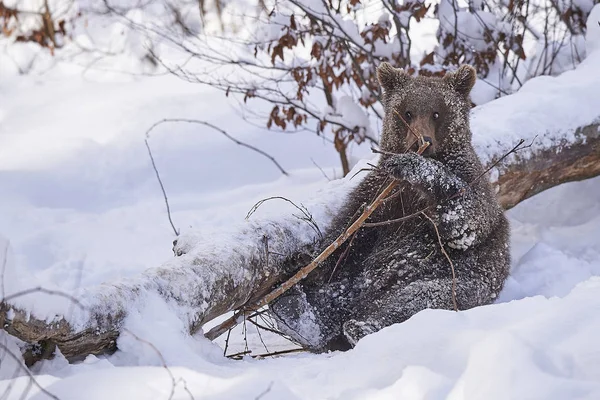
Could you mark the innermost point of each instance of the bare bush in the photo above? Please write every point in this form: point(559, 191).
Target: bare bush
point(313, 62)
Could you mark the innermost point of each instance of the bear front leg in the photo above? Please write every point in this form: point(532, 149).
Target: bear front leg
point(465, 214)
point(398, 306)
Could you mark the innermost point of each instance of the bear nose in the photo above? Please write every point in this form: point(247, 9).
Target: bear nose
point(428, 140)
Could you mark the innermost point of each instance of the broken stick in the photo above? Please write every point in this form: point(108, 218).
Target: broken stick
point(238, 316)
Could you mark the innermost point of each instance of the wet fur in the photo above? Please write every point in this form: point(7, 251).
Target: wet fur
point(391, 272)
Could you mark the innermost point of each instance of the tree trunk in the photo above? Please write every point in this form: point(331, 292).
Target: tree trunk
point(522, 177)
point(216, 279)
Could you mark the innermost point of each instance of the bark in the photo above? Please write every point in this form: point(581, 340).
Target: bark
point(523, 176)
point(215, 281)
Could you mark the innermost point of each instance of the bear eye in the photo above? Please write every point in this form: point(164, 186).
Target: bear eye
point(408, 116)
point(436, 115)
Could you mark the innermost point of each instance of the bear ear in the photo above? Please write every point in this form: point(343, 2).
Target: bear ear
point(390, 77)
point(462, 80)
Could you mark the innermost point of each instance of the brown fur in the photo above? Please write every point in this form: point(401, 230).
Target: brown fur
point(396, 270)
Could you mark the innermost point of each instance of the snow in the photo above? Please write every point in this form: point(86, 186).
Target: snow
point(81, 206)
point(544, 104)
point(592, 38)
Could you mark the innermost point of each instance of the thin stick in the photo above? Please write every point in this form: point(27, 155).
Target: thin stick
point(264, 355)
point(226, 343)
point(343, 256)
point(162, 187)
point(40, 289)
point(163, 364)
point(320, 169)
point(280, 352)
point(417, 135)
point(303, 273)
point(437, 232)
point(222, 131)
point(240, 354)
point(27, 371)
point(264, 392)
point(515, 149)
point(308, 218)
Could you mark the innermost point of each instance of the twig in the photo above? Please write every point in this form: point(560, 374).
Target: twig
point(437, 232)
point(264, 393)
point(245, 332)
point(227, 135)
point(377, 151)
point(361, 170)
point(513, 150)
point(303, 273)
point(42, 290)
point(266, 328)
point(240, 354)
point(343, 256)
point(163, 362)
point(162, 187)
point(260, 335)
point(459, 193)
point(395, 220)
point(226, 343)
point(27, 371)
point(279, 353)
point(308, 218)
point(208, 124)
point(320, 169)
point(417, 135)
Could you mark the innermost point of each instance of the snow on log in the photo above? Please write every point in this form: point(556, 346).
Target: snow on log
point(212, 274)
point(524, 177)
point(215, 274)
point(558, 116)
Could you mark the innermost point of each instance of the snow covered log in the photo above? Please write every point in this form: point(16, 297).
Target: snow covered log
point(209, 277)
point(523, 177)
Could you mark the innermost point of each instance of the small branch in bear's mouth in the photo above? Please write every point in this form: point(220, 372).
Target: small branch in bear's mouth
point(418, 136)
point(515, 149)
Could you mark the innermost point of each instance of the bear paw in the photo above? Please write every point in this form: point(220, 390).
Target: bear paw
point(410, 167)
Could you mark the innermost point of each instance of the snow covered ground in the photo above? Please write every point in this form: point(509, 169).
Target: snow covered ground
point(80, 205)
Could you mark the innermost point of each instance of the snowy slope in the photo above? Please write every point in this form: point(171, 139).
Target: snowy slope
point(81, 206)
point(541, 347)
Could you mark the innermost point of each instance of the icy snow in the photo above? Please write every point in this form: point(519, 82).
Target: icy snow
point(81, 206)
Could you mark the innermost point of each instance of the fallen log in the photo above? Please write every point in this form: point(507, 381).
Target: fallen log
point(526, 175)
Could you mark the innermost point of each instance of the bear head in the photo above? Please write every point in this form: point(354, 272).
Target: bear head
point(436, 108)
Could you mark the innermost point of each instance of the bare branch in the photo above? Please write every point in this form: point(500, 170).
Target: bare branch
point(17, 359)
point(162, 187)
point(227, 135)
point(439, 238)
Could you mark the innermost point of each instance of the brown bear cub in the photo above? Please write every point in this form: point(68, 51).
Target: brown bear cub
point(395, 269)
